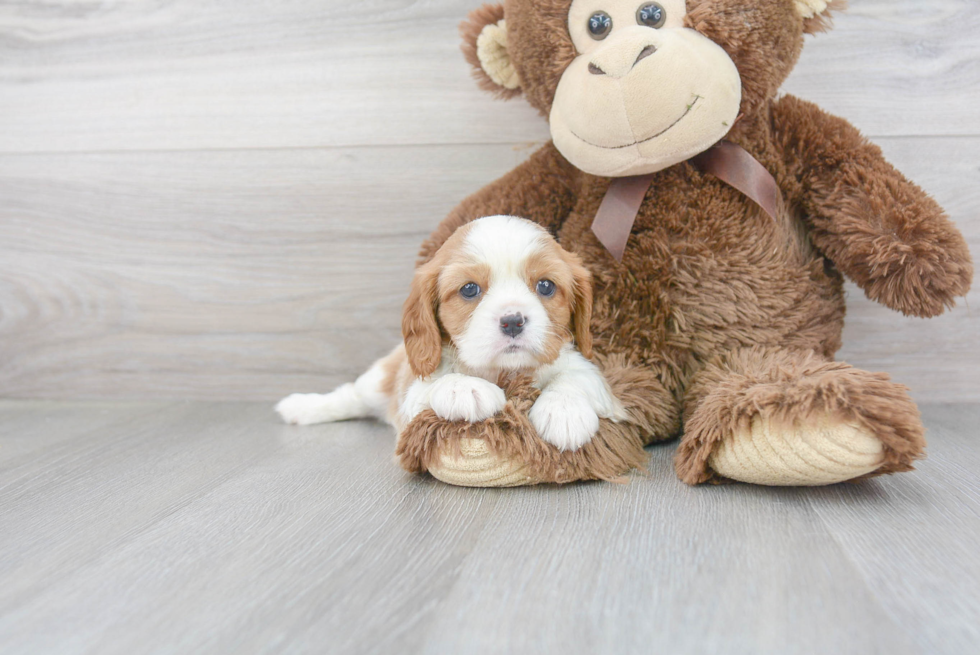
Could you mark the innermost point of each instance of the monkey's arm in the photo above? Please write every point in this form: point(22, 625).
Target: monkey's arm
point(878, 228)
point(542, 189)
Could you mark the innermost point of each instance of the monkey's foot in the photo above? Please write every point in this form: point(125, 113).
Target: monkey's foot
point(782, 418)
point(476, 466)
point(506, 451)
point(808, 453)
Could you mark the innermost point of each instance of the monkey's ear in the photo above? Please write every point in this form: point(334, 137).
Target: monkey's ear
point(816, 14)
point(484, 35)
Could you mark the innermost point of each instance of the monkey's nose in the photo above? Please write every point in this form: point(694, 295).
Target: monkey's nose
point(646, 52)
point(512, 324)
point(618, 60)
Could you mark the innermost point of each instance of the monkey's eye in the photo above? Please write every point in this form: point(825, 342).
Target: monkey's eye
point(600, 25)
point(546, 288)
point(651, 14)
point(470, 290)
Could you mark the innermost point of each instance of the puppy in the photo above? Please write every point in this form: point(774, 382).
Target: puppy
point(500, 296)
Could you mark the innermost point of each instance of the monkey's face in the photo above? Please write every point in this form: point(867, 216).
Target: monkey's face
point(644, 92)
point(632, 86)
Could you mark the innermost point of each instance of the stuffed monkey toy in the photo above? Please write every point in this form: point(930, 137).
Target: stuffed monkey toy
point(718, 220)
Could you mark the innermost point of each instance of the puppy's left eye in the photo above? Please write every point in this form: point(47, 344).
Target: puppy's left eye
point(546, 288)
point(470, 290)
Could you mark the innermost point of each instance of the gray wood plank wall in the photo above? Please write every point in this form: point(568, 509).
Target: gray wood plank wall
point(223, 200)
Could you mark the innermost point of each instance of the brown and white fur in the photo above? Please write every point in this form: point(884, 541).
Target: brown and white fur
point(456, 348)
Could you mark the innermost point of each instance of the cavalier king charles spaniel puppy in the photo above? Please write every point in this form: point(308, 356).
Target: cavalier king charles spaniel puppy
point(500, 296)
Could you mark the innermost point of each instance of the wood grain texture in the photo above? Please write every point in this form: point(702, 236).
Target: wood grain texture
point(250, 274)
point(195, 527)
point(931, 520)
point(301, 73)
point(203, 273)
point(22, 433)
point(223, 200)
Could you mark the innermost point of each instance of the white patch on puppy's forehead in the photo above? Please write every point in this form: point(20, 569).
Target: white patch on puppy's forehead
point(504, 242)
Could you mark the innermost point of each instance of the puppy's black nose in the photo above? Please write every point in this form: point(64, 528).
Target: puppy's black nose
point(512, 324)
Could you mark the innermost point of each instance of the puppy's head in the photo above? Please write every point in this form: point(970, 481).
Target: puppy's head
point(504, 293)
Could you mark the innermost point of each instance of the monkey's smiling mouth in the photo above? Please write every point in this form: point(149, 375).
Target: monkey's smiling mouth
point(649, 138)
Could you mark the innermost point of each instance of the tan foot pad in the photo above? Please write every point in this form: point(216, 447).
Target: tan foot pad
point(815, 452)
point(478, 467)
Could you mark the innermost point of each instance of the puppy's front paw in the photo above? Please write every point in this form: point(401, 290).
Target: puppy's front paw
point(565, 421)
point(458, 397)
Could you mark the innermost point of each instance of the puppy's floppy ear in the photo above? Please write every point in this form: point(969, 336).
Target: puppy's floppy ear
point(816, 14)
point(484, 35)
point(420, 328)
point(581, 305)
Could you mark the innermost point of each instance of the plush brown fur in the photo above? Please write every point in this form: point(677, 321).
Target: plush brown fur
point(716, 307)
point(793, 386)
point(825, 21)
point(617, 449)
point(879, 229)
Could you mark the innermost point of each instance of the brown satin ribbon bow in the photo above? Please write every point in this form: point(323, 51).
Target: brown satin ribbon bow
point(730, 163)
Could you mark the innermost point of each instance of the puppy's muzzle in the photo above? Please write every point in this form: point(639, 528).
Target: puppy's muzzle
point(512, 324)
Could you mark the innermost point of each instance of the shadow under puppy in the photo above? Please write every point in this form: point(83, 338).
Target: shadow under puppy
point(500, 299)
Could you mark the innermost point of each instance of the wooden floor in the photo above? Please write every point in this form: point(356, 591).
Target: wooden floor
point(193, 527)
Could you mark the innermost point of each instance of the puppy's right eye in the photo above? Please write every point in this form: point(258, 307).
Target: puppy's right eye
point(470, 290)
